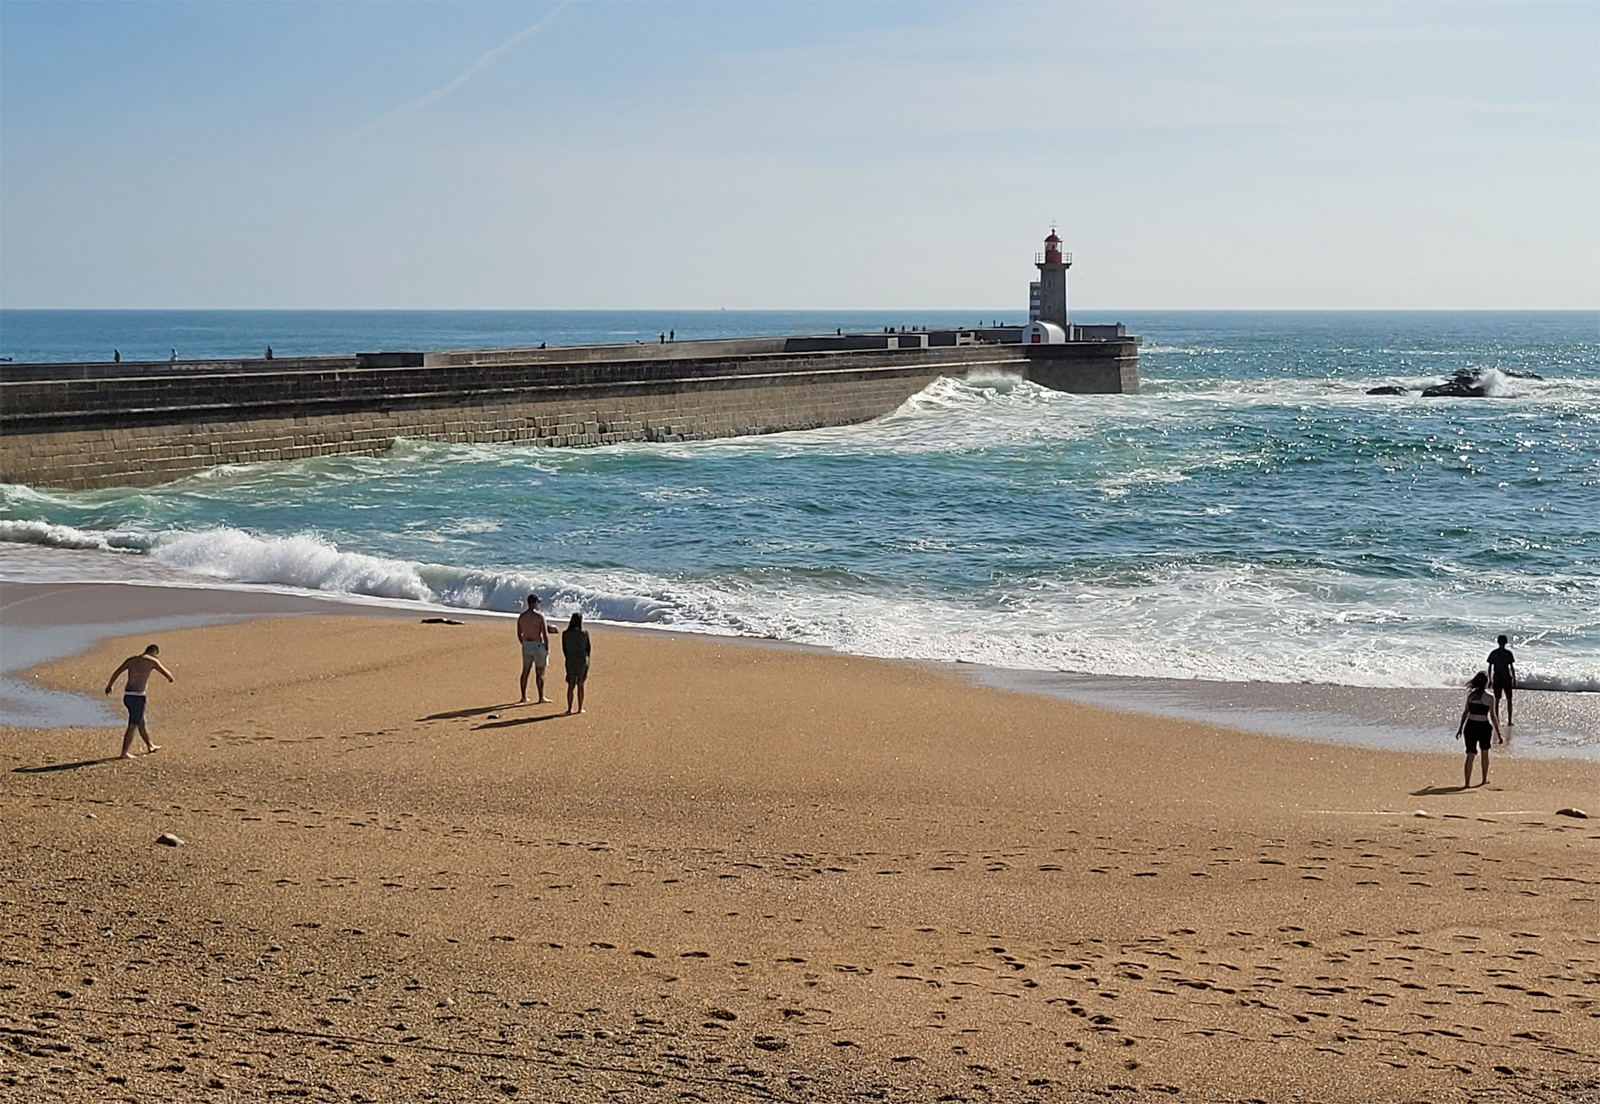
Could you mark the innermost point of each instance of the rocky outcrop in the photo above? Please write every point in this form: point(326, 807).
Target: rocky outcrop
point(1468, 383)
point(1465, 384)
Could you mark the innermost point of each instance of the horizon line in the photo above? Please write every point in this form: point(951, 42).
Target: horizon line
point(807, 310)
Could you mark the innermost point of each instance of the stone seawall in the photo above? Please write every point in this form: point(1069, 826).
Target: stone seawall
point(134, 425)
point(141, 430)
point(1086, 367)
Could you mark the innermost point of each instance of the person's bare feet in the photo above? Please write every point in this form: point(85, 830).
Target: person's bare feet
point(126, 755)
point(151, 749)
point(543, 701)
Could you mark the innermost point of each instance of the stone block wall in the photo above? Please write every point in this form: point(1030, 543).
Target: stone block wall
point(157, 446)
point(87, 430)
point(1107, 367)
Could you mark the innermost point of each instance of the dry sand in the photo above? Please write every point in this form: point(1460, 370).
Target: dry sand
point(752, 873)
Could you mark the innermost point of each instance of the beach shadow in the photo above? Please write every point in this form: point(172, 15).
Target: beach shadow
point(474, 712)
point(521, 721)
point(1429, 791)
point(65, 766)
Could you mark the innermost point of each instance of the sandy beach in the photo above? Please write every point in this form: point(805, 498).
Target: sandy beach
point(756, 873)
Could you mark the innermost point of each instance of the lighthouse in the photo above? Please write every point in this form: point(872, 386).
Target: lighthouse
point(1051, 289)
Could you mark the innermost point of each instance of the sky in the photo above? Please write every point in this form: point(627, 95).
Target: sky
point(798, 156)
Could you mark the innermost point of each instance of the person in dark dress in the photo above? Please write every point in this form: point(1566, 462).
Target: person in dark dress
point(1503, 677)
point(1479, 720)
point(575, 650)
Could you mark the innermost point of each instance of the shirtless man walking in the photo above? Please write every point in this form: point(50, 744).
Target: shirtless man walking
point(139, 669)
point(534, 636)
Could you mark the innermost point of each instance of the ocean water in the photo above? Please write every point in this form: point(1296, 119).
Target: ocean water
point(57, 336)
point(1252, 515)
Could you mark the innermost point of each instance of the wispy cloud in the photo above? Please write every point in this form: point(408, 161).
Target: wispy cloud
point(413, 106)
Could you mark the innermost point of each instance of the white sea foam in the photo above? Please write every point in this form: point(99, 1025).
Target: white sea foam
point(304, 560)
point(1120, 484)
point(1569, 685)
point(311, 562)
point(52, 535)
point(1240, 622)
point(1352, 388)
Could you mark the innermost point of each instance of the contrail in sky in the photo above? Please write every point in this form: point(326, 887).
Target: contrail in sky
point(471, 71)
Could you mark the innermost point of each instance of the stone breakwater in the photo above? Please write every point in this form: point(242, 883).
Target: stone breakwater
point(96, 425)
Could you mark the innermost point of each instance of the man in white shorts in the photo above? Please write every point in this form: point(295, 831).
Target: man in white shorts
point(535, 639)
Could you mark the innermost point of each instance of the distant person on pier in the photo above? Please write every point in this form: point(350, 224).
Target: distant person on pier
point(139, 669)
point(1503, 675)
point(575, 651)
point(116, 356)
point(1479, 719)
point(269, 352)
point(663, 339)
point(534, 637)
point(174, 356)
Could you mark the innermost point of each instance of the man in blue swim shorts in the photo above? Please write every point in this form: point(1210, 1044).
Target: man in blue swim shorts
point(534, 636)
point(139, 669)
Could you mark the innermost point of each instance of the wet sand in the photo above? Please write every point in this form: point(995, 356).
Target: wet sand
point(1559, 723)
point(759, 873)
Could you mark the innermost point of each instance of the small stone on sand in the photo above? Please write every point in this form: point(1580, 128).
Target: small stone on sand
point(167, 839)
point(1569, 811)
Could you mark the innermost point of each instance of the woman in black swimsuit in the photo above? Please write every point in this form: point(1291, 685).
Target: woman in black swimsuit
point(1479, 719)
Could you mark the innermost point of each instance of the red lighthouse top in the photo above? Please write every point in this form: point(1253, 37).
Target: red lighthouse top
point(1052, 249)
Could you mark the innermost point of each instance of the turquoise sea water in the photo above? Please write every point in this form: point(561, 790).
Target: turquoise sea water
point(1252, 514)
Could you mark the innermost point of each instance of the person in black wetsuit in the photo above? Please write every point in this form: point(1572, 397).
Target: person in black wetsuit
point(1479, 719)
point(1503, 677)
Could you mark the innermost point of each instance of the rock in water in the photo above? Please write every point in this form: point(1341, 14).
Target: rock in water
point(1571, 812)
point(1387, 389)
point(1465, 384)
point(167, 839)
